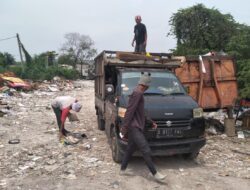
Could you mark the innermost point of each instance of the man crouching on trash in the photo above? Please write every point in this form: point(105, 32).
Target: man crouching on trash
point(133, 126)
point(62, 106)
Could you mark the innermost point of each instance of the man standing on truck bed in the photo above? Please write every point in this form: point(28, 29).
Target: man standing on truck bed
point(140, 37)
point(134, 122)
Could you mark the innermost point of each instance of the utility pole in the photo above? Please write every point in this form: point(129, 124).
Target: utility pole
point(20, 49)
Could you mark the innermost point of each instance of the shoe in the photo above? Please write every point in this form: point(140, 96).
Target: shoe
point(126, 172)
point(159, 177)
point(64, 140)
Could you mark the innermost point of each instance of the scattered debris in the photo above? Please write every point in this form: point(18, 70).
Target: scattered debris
point(211, 130)
point(53, 89)
point(91, 160)
point(28, 116)
point(70, 140)
point(3, 183)
point(115, 184)
point(181, 169)
point(70, 176)
point(51, 162)
point(78, 135)
point(87, 146)
point(238, 151)
point(214, 123)
point(241, 135)
point(14, 141)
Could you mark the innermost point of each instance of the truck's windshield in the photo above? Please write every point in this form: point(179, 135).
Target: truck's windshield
point(163, 83)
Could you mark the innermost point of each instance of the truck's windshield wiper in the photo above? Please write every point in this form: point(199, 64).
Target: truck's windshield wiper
point(154, 93)
point(177, 93)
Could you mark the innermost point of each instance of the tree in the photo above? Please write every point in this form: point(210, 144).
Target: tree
point(65, 60)
point(239, 44)
point(199, 30)
point(6, 59)
point(78, 48)
point(2, 62)
point(244, 77)
point(239, 47)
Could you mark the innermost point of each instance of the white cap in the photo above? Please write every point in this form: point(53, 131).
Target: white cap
point(145, 79)
point(76, 106)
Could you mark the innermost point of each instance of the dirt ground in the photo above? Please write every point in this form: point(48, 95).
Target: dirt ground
point(39, 161)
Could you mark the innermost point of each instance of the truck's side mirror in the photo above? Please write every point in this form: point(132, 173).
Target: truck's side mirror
point(109, 89)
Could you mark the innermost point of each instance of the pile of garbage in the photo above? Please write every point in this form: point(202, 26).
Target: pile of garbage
point(12, 86)
point(8, 81)
point(215, 124)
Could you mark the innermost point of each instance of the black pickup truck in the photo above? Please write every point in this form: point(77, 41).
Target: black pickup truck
point(179, 118)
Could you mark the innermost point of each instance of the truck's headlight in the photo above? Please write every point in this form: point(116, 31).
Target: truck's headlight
point(197, 112)
point(121, 112)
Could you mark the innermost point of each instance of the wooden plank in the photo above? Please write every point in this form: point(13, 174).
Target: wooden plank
point(127, 56)
point(134, 58)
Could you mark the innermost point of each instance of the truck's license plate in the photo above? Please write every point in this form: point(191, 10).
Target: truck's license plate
point(161, 133)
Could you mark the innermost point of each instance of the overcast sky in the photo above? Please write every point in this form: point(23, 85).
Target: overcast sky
point(42, 24)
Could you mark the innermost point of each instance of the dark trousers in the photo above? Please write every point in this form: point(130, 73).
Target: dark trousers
point(136, 139)
point(140, 48)
point(58, 114)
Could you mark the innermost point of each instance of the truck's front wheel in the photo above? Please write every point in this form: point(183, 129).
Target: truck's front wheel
point(116, 152)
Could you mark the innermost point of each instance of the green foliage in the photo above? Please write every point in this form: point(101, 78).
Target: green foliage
point(68, 73)
point(65, 60)
point(37, 69)
point(199, 30)
point(38, 73)
point(6, 59)
point(2, 69)
point(239, 47)
point(244, 77)
point(17, 69)
point(2, 62)
point(239, 44)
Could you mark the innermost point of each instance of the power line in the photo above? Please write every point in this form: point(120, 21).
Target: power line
point(7, 38)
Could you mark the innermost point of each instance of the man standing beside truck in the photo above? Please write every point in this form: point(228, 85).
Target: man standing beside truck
point(140, 37)
point(133, 125)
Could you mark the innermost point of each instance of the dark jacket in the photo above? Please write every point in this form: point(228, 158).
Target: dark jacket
point(134, 116)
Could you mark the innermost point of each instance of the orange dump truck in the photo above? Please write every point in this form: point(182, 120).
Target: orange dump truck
point(210, 80)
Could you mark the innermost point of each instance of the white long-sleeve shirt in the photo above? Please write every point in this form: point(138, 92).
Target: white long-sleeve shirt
point(63, 102)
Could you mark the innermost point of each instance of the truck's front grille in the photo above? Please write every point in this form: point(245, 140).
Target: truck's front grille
point(173, 123)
